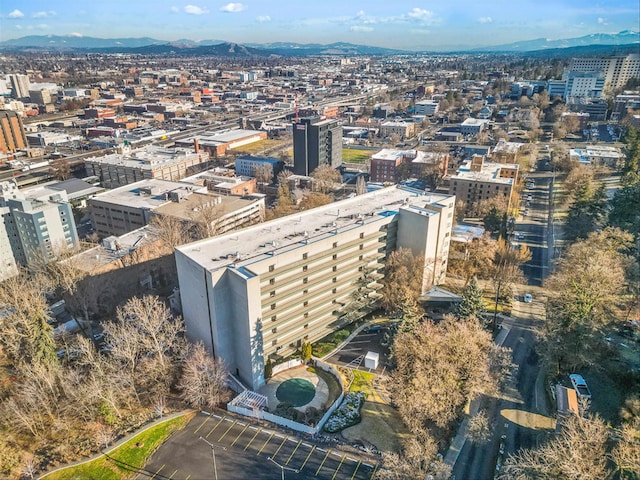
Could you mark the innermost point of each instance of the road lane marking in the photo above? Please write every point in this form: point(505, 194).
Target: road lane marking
point(374, 472)
point(275, 454)
point(171, 476)
point(294, 451)
point(323, 460)
point(265, 443)
point(157, 472)
point(356, 470)
point(205, 421)
point(239, 435)
point(227, 431)
point(308, 456)
point(216, 426)
point(339, 466)
point(254, 437)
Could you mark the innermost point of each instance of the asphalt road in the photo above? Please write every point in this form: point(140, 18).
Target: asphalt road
point(518, 417)
point(242, 450)
point(515, 414)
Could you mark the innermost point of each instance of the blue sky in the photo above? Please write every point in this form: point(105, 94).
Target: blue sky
point(391, 23)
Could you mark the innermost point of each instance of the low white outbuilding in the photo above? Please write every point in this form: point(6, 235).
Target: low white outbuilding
point(371, 360)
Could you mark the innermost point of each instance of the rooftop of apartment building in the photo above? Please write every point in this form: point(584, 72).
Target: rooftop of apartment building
point(490, 172)
point(241, 248)
point(506, 147)
point(148, 194)
point(146, 158)
point(416, 156)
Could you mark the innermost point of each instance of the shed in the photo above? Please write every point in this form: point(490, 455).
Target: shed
point(371, 360)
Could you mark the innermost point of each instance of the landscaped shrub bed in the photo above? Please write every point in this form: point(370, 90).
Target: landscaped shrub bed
point(347, 414)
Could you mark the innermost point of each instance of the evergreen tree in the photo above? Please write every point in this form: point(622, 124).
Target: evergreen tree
point(472, 304)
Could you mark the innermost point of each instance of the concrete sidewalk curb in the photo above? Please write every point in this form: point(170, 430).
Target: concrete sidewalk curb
point(121, 441)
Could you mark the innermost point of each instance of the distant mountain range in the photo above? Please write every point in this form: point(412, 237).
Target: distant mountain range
point(146, 45)
point(624, 37)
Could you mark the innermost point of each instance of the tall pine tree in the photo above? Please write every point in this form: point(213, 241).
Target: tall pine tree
point(472, 304)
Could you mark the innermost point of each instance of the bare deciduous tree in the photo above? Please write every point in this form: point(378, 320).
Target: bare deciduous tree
point(171, 231)
point(263, 172)
point(325, 177)
point(579, 451)
point(403, 279)
point(203, 381)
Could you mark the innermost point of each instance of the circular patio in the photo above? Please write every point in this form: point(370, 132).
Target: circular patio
point(298, 387)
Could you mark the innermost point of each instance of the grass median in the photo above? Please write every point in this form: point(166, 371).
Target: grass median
point(126, 460)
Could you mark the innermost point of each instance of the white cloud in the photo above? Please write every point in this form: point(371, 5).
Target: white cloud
point(174, 10)
point(233, 8)
point(420, 13)
point(263, 18)
point(195, 10)
point(485, 20)
point(76, 34)
point(361, 28)
point(16, 14)
point(602, 21)
point(44, 14)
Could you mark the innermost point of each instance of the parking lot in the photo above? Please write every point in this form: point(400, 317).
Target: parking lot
point(243, 449)
point(369, 340)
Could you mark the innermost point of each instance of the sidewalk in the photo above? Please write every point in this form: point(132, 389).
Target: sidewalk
point(120, 441)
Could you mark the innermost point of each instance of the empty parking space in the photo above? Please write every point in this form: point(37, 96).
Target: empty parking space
point(242, 450)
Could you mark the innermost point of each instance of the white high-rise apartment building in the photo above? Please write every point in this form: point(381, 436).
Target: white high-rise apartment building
point(259, 293)
point(617, 70)
point(19, 85)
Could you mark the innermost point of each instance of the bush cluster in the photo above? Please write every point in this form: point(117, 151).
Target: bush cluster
point(347, 414)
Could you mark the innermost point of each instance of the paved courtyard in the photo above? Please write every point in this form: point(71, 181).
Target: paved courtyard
point(322, 390)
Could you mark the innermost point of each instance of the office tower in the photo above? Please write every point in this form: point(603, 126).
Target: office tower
point(316, 142)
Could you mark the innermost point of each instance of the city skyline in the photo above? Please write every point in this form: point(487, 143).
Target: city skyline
point(410, 25)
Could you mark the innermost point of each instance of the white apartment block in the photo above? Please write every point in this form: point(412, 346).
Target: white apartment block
point(426, 107)
point(152, 162)
point(259, 293)
point(617, 70)
point(35, 224)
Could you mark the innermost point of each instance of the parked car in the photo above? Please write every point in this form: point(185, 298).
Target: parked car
point(580, 385)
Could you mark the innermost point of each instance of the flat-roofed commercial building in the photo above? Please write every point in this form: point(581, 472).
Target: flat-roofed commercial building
point(259, 293)
point(218, 143)
point(121, 210)
point(478, 180)
point(150, 162)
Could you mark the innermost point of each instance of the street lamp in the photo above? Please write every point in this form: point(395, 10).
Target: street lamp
point(213, 454)
point(283, 468)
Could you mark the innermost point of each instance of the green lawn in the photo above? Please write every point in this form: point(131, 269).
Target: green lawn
point(352, 155)
point(362, 382)
point(125, 460)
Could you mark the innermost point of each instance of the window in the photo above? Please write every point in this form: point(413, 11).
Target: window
point(334, 279)
point(305, 280)
point(274, 330)
point(335, 257)
point(305, 255)
point(305, 268)
point(306, 325)
point(362, 235)
point(272, 281)
point(335, 244)
point(306, 315)
point(273, 318)
point(304, 292)
point(334, 291)
point(361, 247)
point(272, 268)
point(273, 306)
point(272, 294)
point(274, 342)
